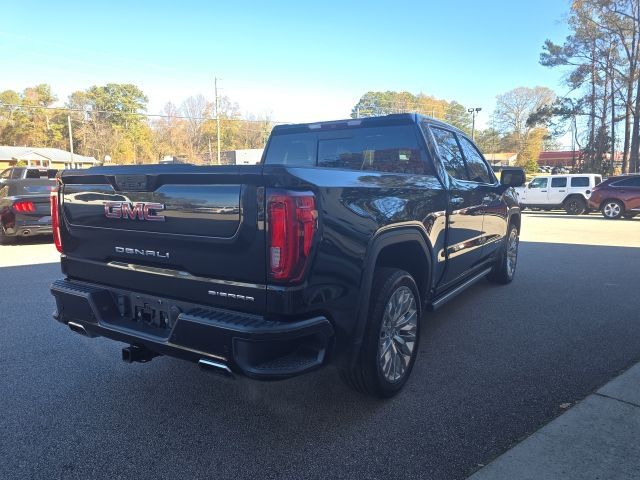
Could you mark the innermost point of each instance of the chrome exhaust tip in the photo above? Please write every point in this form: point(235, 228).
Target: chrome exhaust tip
point(76, 327)
point(216, 367)
point(26, 232)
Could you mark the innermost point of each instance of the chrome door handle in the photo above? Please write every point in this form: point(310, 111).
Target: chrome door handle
point(543, 190)
point(456, 200)
point(488, 198)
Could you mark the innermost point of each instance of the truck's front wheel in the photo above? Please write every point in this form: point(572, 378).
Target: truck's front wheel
point(505, 267)
point(389, 349)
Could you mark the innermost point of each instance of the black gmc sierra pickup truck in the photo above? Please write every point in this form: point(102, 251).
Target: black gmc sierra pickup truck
point(328, 251)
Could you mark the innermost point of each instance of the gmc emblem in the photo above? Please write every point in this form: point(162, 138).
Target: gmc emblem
point(134, 211)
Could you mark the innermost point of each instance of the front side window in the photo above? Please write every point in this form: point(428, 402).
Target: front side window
point(478, 169)
point(450, 153)
point(17, 173)
point(580, 181)
point(559, 182)
point(6, 173)
point(539, 182)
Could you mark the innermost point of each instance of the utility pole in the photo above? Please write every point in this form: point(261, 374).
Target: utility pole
point(70, 138)
point(215, 86)
point(473, 111)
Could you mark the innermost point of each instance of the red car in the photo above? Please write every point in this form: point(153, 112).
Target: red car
point(617, 197)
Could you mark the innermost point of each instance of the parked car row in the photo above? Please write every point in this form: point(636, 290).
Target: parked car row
point(552, 170)
point(24, 202)
point(616, 197)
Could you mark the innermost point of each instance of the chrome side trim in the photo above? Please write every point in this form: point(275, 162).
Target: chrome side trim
point(438, 302)
point(168, 272)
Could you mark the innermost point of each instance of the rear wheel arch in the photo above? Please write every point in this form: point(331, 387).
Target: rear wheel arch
point(382, 250)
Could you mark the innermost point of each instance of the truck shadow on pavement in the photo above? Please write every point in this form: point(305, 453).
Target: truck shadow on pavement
point(495, 364)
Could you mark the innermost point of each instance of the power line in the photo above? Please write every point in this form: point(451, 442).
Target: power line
point(138, 114)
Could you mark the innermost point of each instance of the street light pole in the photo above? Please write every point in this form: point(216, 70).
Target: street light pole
point(473, 111)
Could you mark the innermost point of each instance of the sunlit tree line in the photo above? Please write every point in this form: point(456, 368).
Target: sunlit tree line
point(112, 120)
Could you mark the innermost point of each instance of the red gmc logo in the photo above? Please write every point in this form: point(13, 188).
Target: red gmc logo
point(134, 211)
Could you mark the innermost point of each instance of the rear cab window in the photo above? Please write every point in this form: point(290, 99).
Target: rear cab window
point(560, 182)
point(394, 149)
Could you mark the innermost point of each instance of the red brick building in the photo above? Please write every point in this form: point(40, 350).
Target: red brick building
point(559, 158)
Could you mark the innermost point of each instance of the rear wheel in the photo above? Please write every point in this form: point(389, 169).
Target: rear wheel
point(505, 267)
point(612, 209)
point(390, 345)
point(575, 206)
point(6, 239)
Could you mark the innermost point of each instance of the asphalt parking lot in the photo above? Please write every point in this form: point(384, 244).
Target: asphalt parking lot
point(495, 365)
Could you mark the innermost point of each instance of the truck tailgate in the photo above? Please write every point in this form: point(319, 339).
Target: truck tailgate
point(192, 233)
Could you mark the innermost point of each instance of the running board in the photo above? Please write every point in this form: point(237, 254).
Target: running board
point(444, 298)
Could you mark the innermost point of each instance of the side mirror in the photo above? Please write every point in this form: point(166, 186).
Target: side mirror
point(512, 177)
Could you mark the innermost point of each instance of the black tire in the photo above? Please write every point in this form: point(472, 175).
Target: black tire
point(612, 209)
point(367, 375)
point(503, 270)
point(574, 205)
point(7, 239)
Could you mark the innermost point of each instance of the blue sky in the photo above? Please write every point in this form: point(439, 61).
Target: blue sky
point(293, 60)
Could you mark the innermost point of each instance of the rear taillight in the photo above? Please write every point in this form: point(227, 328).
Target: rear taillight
point(55, 220)
point(24, 206)
point(292, 218)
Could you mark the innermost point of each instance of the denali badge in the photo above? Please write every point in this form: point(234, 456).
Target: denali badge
point(144, 253)
point(134, 211)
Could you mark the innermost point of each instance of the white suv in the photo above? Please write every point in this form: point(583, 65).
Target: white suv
point(568, 192)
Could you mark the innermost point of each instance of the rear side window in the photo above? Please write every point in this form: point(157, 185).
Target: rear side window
point(450, 153)
point(478, 169)
point(35, 174)
point(384, 149)
point(559, 182)
point(580, 181)
point(6, 173)
point(628, 182)
point(17, 173)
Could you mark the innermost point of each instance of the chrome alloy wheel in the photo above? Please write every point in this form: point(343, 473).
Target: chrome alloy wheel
point(398, 334)
point(512, 252)
point(611, 210)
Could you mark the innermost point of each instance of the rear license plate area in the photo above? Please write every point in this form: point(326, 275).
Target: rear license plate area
point(152, 315)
